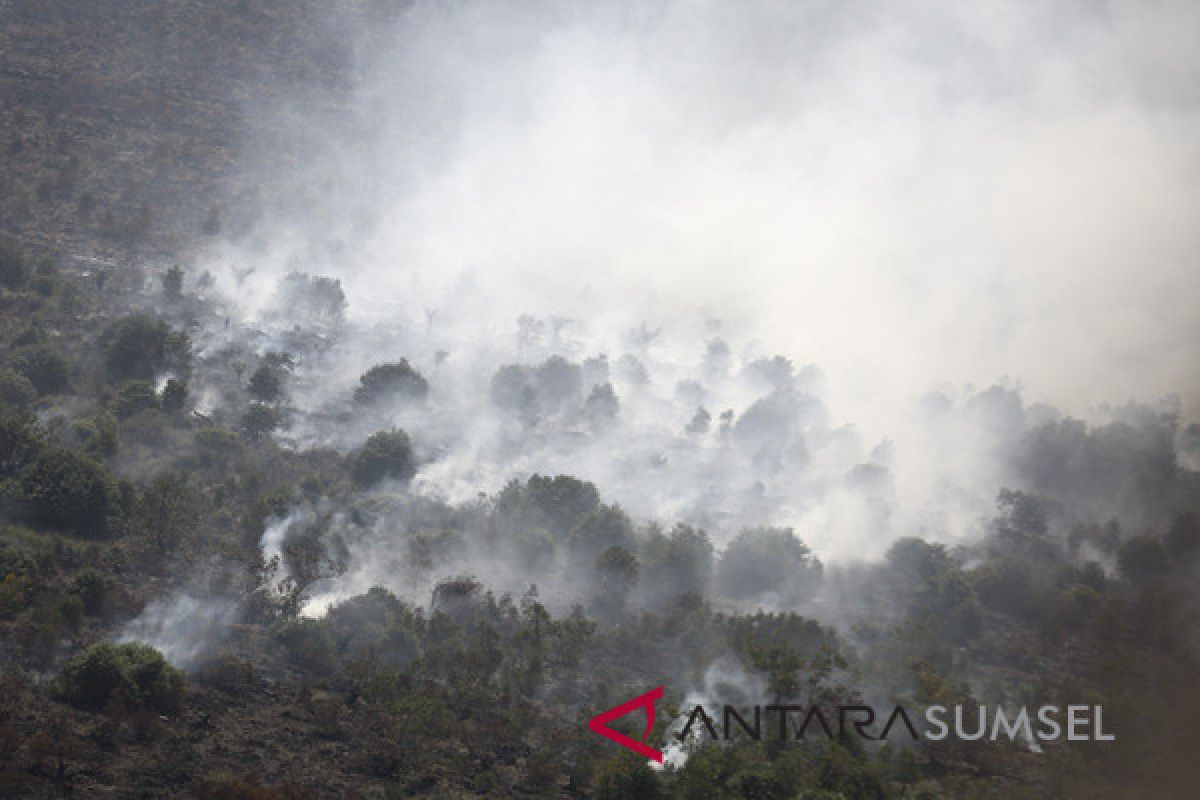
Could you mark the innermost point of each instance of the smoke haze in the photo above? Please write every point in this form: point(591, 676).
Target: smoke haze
point(911, 207)
point(899, 195)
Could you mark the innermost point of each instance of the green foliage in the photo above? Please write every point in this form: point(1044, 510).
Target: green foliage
point(259, 421)
point(376, 625)
point(166, 512)
point(18, 574)
point(16, 390)
point(390, 382)
point(385, 455)
point(45, 367)
point(216, 445)
point(625, 778)
point(268, 380)
point(266, 384)
point(67, 490)
point(225, 671)
point(308, 644)
point(94, 590)
point(559, 383)
point(675, 565)
point(97, 435)
point(762, 560)
point(313, 296)
point(511, 388)
point(600, 408)
point(172, 282)
point(597, 531)
point(135, 397)
point(14, 264)
point(21, 440)
point(556, 504)
point(132, 671)
point(1143, 558)
point(174, 396)
point(139, 346)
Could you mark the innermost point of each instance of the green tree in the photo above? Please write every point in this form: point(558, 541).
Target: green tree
point(16, 390)
point(259, 421)
point(14, 265)
point(761, 560)
point(625, 778)
point(166, 512)
point(133, 397)
point(174, 396)
point(140, 346)
point(45, 367)
point(66, 490)
point(601, 405)
point(132, 671)
point(607, 526)
point(386, 454)
point(21, 440)
point(266, 384)
point(396, 381)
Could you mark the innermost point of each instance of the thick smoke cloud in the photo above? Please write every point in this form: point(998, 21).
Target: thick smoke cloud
point(918, 203)
point(901, 195)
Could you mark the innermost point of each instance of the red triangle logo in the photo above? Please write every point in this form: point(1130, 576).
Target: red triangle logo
point(599, 724)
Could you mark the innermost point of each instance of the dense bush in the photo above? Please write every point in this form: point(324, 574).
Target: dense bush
point(607, 526)
point(135, 396)
point(308, 644)
point(15, 389)
point(97, 435)
point(94, 590)
point(67, 490)
point(267, 382)
point(259, 421)
point(174, 395)
point(14, 265)
point(767, 560)
point(398, 381)
point(132, 671)
point(139, 346)
point(44, 367)
point(385, 455)
point(21, 440)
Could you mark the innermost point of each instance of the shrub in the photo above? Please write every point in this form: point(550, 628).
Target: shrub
point(44, 367)
point(607, 526)
point(217, 445)
point(68, 491)
point(21, 440)
point(386, 454)
point(226, 672)
point(314, 296)
point(266, 384)
point(174, 396)
point(391, 382)
point(766, 560)
point(16, 390)
point(94, 590)
point(139, 346)
point(308, 644)
point(172, 282)
point(259, 420)
point(14, 265)
point(96, 436)
point(133, 671)
point(135, 396)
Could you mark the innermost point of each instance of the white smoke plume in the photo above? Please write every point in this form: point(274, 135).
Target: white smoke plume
point(911, 204)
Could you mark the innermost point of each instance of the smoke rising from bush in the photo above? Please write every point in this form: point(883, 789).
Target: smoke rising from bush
point(910, 206)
